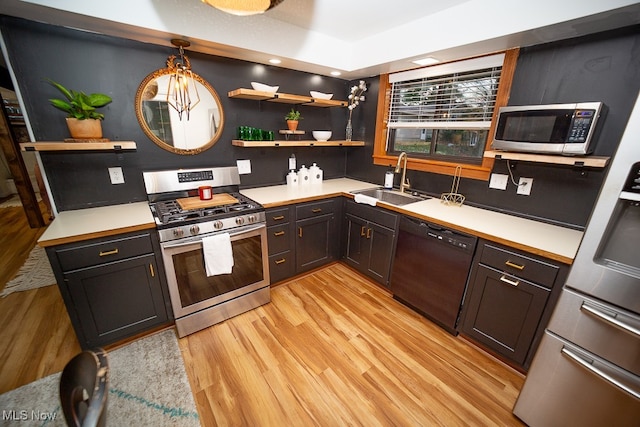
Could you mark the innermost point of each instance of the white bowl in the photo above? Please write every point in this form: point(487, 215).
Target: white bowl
point(321, 135)
point(320, 95)
point(264, 88)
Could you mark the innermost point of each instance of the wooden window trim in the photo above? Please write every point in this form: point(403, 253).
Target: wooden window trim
point(480, 171)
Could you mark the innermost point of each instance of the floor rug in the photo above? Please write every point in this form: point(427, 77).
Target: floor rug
point(148, 386)
point(35, 273)
point(15, 202)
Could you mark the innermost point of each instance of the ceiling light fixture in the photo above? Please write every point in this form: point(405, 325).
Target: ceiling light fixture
point(243, 7)
point(426, 61)
point(275, 61)
point(182, 92)
point(335, 73)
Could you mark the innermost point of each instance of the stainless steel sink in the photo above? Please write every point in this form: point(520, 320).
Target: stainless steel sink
point(391, 196)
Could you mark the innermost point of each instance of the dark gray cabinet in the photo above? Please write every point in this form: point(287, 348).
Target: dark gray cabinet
point(316, 228)
point(281, 243)
point(302, 237)
point(509, 301)
point(113, 287)
point(370, 238)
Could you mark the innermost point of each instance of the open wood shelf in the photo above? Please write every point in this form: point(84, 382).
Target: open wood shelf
point(590, 161)
point(337, 143)
point(77, 146)
point(284, 98)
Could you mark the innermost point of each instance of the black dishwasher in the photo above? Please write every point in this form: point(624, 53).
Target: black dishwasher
point(430, 270)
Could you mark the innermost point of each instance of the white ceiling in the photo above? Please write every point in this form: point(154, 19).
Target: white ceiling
point(360, 38)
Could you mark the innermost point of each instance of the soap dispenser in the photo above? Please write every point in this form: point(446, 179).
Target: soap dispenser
point(315, 174)
point(388, 178)
point(303, 175)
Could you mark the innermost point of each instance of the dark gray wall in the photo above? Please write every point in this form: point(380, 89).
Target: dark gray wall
point(97, 63)
point(603, 67)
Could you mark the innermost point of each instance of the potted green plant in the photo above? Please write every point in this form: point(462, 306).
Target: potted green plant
point(292, 119)
point(83, 121)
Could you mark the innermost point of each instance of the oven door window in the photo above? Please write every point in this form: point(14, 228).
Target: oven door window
point(195, 286)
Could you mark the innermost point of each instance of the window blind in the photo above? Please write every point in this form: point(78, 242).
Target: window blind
point(452, 96)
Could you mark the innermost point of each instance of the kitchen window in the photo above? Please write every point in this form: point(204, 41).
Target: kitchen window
point(442, 115)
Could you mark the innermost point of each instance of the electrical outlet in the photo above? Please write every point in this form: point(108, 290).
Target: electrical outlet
point(116, 175)
point(244, 166)
point(524, 186)
point(499, 181)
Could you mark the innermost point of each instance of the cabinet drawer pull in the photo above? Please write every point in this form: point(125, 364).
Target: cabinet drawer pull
point(111, 252)
point(509, 281)
point(514, 265)
point(362, 231)
point(368, 233)
point(281, 261)
point(278, 233)
point(278, 218)
point(299, 231)
point(316, 210)
point(153, 273)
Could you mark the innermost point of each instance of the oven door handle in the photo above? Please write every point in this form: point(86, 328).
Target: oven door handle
point(198, 239)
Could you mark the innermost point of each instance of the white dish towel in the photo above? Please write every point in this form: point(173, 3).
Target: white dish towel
point(218, 254)
point(361, 198)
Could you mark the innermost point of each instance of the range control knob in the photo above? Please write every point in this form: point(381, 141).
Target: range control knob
point(251, 219)
point(178, 232)
point(194, 230)
point(240, 220)
point(217, 225)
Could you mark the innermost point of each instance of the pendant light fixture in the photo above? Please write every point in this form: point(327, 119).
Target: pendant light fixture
point(243, 7)
point(182, 92)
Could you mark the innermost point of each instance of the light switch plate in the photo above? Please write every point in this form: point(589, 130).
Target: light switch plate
point(524, 186)
point(499, 181)
point(116, 175)
point(244, 167)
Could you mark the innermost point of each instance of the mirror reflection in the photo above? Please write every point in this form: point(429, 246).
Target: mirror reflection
point(190, 134)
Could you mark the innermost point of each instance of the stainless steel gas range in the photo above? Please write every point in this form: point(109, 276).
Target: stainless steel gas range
point(198, 236)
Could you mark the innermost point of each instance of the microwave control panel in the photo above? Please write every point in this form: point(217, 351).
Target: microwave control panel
point(580, 125)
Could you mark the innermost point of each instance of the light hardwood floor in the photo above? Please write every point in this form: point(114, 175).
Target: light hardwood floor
point(36, 337)
point(330, 349)
point(334, 349)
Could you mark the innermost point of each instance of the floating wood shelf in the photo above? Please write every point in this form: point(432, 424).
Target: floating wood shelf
point(285, 98)
point(77, 146)
point(589, 161)
point(337, 143)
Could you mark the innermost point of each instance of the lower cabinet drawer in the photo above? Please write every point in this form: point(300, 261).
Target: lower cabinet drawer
point(279, 238)
point(281, 266)
point(520, 265)
point(313, 209)
point(77, 256)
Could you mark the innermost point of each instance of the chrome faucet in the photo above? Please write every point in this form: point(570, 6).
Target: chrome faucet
point(404, 182)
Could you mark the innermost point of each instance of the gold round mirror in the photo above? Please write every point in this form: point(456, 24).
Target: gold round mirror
point(190, 133)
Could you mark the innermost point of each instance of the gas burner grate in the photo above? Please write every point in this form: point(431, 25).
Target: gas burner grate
point(170, 212)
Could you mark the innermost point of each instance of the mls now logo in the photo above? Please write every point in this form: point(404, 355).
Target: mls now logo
point(24, 415)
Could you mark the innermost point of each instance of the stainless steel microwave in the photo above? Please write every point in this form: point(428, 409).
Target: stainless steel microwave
point(567, 129)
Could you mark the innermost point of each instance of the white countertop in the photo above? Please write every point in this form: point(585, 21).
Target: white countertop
point(551, 241)
point(278, 195)
point(536, 237)
point(83, 224)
